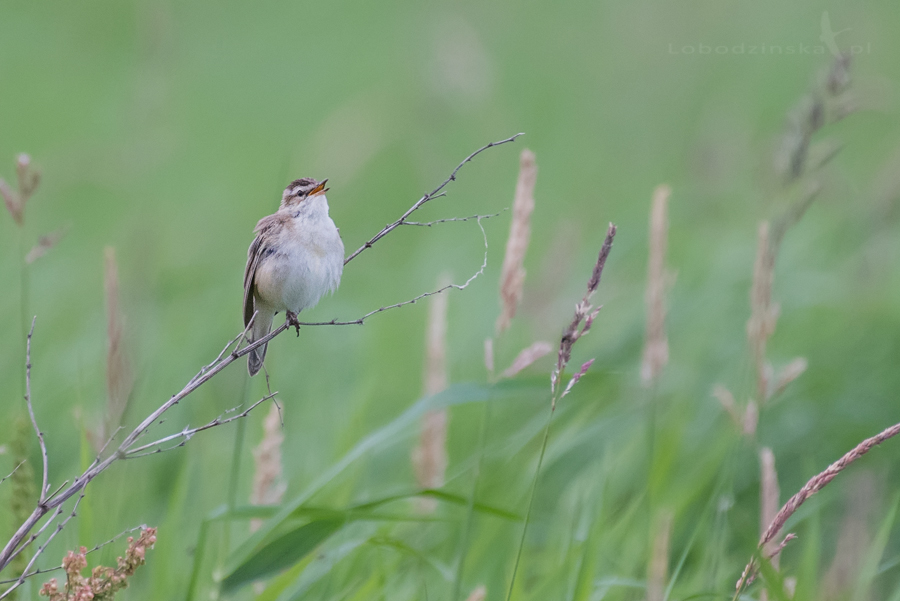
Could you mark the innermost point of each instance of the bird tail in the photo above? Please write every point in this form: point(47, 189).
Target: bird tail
point(262, 325)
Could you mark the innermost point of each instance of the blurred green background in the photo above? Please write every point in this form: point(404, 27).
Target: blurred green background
point(166, 130)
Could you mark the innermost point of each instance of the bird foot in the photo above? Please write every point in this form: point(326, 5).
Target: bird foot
point(293, 322)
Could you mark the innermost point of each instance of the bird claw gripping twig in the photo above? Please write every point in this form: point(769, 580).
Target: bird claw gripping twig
point(293, 322)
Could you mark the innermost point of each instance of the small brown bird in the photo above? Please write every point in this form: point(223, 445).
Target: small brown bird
point(296, 258)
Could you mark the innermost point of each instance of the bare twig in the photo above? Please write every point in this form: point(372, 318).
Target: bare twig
point(436, 193)
point(58, 488)
point(814, 485)
point(40, 550)
point(9, 475)
point(22, 537)
point(37, 534)
point(449, 219)
point(412, 301)
point(95, 548)
point(40, 435)
point(226, 348)
point(188, 433)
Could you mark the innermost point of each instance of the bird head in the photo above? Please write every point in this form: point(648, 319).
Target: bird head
point(301, 189)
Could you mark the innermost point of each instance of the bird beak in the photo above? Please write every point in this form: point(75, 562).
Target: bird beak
point(320, 189)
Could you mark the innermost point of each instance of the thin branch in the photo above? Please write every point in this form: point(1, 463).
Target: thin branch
point(188, 433)
point(40, 549)
point(107, 443)
point(36, 535)
point(58, 488)
point(448, 219)
point(436, 193)
point(227, 347)
point(5, 478)
point(37, 430)
point(21, 538)
point(412, 301)
point(95, 548)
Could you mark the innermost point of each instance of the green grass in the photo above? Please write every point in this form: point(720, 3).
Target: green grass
point(167, 130)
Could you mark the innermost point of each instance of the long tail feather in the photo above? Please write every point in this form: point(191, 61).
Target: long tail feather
point(261, 326)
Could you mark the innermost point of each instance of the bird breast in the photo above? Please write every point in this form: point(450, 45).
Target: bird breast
point(304, 264)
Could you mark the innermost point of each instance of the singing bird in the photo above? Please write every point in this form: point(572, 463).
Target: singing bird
point(296, 258)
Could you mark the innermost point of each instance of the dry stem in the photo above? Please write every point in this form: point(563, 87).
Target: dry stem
point(9, 475)
point(40, 435)
point(658, 568)
point(429, 196)
point(768, 501)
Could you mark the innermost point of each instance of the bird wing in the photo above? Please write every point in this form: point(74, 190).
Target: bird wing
point(255, 253)
point(249, 274)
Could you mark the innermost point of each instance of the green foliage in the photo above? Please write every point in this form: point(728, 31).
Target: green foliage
point(166, 130)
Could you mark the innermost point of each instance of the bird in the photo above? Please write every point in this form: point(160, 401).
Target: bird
point(296, 258)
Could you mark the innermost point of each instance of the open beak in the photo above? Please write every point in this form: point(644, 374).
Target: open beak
point(320, 189)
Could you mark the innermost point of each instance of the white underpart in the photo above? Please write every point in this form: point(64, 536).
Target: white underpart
point(309, 260)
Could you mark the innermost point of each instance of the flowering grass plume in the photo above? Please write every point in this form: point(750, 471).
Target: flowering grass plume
point(527, 356)
point(827, 103)
point(815, 484)
point(585, 313)
point(513, 275)
point(45, 243)
point(118, 371)
point(656, 347)
point(429, 457)
point(268, 483)
point(28, 180)
point(763, 312)
point(658, 568)
point(104, 582)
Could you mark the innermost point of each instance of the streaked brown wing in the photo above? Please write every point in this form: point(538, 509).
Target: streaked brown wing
point(253, 255)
